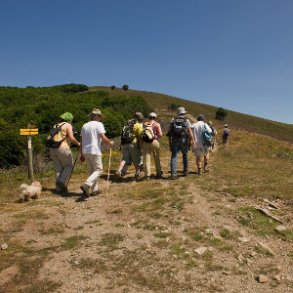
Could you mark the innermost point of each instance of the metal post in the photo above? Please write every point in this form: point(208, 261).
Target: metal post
point(30, 158)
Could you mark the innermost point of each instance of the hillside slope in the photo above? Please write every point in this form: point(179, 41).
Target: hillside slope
point(162, 103)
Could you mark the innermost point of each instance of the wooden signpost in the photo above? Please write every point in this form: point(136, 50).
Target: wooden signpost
point(29, 132)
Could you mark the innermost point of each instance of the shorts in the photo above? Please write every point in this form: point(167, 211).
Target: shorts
point(131, 154)
point(204, 150)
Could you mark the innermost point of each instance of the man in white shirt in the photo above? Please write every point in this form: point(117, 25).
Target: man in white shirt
point(198, 145)
point(92, 135)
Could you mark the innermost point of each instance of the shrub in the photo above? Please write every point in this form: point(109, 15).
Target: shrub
point(113, 87)
point(125, 87)
point(221, 114)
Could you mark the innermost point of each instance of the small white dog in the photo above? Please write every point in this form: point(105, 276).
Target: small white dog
point(30, 191)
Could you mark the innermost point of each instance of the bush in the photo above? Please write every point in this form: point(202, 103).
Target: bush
point(221, 114)
point(125, 87)
point(113, 87)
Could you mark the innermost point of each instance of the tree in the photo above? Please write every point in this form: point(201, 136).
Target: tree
point(125, 87)
point(221, 114)
point(113, 87)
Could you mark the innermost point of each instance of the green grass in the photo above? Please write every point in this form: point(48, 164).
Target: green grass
point(73, 241)
point(252, 218)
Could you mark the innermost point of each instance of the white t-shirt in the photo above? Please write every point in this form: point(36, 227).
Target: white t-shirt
point(197, 129)
point(91, 139)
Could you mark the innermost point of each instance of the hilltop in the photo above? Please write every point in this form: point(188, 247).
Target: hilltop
point(229, 230)
point(163, 103)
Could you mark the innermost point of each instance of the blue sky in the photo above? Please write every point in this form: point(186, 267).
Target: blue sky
point(237, 54)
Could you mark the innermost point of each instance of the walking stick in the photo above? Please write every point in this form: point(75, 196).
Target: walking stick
point(109, 167)
point(74, 163)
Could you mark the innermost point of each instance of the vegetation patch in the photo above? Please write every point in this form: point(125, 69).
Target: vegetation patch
point(73, 241)
point(111, 240)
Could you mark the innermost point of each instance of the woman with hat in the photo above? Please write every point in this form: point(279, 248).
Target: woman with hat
point(152, 146)
point(62, 156)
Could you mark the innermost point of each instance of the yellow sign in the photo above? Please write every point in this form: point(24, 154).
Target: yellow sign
point(29, 131)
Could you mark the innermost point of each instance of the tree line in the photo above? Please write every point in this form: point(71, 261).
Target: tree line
point(41, 106)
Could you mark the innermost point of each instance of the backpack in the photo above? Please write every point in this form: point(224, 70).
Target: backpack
point(126, 134)
point(54, 131)
point(226, 133)
point(179, 128)
point(207, 137)
point(148, 133)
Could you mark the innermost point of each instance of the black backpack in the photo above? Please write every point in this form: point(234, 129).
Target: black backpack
point(50, 142)
point(126, 134)
point(179, 128)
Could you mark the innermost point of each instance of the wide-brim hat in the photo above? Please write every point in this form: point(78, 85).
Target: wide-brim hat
point(226, 125)
point(67, 116)
point(97, 112)
point(181, 111)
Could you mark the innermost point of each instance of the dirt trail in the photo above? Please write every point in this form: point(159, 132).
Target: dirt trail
point(145, 236)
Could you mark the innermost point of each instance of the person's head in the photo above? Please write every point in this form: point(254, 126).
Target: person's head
point(152, 116)
point(67, 117)
point(200, 117)
point(96, 115)
point(226, 126)
point(138, 116)
point(181, 111)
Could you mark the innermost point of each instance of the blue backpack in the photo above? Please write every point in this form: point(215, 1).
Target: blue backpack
point(207, 137)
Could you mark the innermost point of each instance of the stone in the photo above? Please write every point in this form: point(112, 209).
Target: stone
point(266, 247)
point(262, 278)
point(4, 246)
point(243, 239)
point(200, 250)
point(280, 228)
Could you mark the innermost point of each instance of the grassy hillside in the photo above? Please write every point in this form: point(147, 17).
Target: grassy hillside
point(195, 234)
point(162, 103)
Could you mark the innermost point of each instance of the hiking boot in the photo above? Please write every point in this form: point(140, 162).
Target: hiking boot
point(147, 177)
point(185, 173)
point(60, 187)
point(159, 174)
point(141, 167)
point(118, 174)
point(206, 168)
point(136, 176)
point(85, 190)
point(199, 171)
point(173, 177)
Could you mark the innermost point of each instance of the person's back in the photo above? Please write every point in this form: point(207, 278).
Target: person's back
point(91, 140)
point(197, 129)
point(225, 135)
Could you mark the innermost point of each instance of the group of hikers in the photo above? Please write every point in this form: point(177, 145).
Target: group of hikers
point(139, 142)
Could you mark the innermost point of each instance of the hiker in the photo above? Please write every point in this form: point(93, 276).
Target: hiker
point(131, 152)
point(150, 136)
point(60, 151)
point(126, 138)
point(179, 134)
point(199, 145)
point(214, 134)
point(92, 134)
point(225, 135)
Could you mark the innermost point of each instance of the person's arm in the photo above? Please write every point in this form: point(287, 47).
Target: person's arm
point(106, 139)
point(160, 133)
point(71, 136)
point(82, 159)
point(191, 134)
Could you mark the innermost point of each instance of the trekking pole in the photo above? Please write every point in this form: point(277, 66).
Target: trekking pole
point(74, 163)
point(109, 166)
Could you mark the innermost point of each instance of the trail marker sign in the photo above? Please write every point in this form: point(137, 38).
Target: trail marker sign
point(29, 132)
